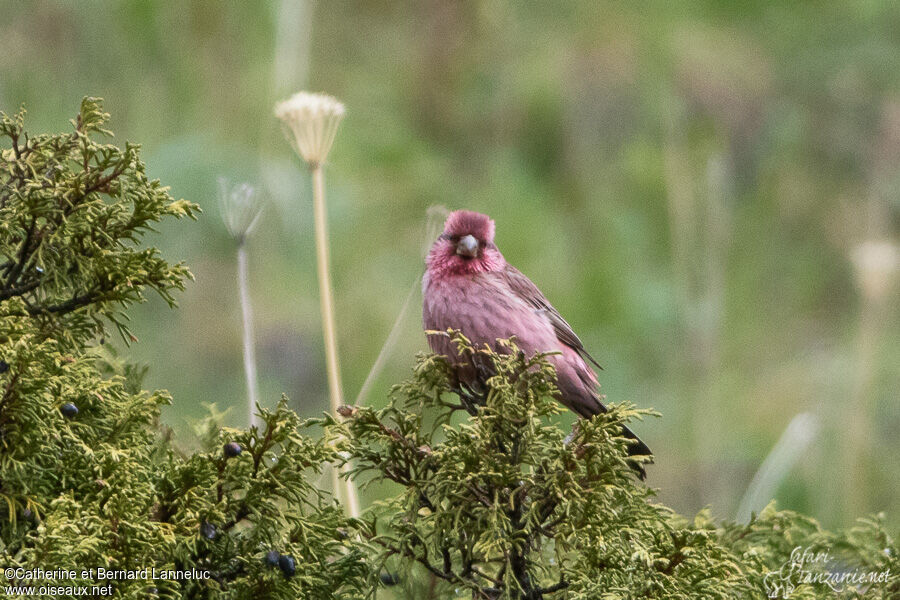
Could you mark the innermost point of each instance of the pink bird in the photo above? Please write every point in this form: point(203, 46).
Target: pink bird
point(469, 286)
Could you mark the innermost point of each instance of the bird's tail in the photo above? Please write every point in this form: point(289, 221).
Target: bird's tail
point(590, 405)
point(637, 447)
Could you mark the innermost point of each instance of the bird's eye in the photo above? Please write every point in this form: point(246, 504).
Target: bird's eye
point(454, 238)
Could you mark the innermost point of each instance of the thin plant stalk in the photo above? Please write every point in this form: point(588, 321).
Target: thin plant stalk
point(389, 344)
point(435, 217)
point(248, 337)
point(699, 226)
point(310, 124)
point(875, 262)
point(858, 426)
point(799, 434)
point(329, 331)
point(240, 213)
point(326, 299)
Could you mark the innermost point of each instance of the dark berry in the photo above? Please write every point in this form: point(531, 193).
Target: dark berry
point(4, 366)
point(287, 565)
point(27, 514)
point(69, 410)
point(232, 449)
point(271, 559)
point(152, 591)
point(208, 530)
point(389, 579)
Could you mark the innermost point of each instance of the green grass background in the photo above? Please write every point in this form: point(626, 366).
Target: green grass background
point(687, 182)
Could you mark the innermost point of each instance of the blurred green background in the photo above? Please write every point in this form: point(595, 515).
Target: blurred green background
point(709, 192)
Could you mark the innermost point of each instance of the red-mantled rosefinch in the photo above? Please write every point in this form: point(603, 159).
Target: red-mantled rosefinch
point(469, 287)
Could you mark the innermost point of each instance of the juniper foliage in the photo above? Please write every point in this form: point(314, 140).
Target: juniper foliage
point(88, 478)
point(72, 213)
point(498, 505)
point(489, 501)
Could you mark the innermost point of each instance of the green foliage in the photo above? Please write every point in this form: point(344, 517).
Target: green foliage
point(72, 213)
point(754, 143)
point(498, 504)
point(103, 486)
point(772, 542)
point(489, 500)
point(258, 501)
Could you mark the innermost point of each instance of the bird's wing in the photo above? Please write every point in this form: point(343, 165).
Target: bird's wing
point(527, 291)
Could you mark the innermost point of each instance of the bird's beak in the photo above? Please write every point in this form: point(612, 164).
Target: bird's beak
point(467, 246)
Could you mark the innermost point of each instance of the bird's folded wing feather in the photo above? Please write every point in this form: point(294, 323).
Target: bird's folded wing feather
point(527, 291)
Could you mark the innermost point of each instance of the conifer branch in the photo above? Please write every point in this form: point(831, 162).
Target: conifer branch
point(88, 478)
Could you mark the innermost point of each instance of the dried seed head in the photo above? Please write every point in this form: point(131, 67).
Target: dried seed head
point(240, 208)
point(310, 124)
point(876, 262)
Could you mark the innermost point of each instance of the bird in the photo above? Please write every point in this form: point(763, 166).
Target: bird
point(469, 287)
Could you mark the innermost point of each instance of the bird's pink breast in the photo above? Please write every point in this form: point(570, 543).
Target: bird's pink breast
point(483, 310)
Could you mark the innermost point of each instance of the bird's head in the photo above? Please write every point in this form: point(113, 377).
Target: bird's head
point(465, 246)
